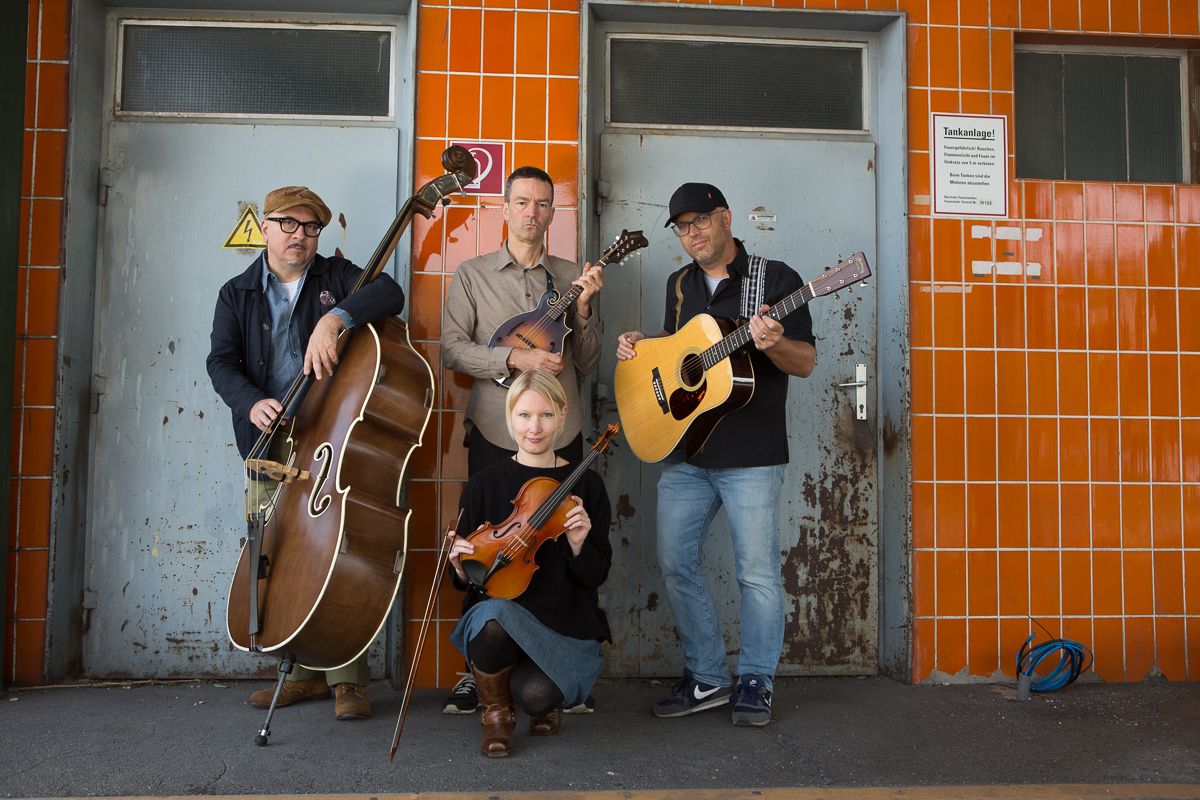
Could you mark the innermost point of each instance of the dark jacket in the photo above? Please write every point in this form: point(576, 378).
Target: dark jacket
point(241, 334)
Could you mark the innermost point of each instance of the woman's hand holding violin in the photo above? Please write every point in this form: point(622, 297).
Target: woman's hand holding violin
point(578, 525)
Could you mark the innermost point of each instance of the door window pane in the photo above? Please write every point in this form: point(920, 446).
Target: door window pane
point(265, 70)
point(735, 84)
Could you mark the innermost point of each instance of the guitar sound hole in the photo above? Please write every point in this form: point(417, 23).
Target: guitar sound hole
point(692, 371)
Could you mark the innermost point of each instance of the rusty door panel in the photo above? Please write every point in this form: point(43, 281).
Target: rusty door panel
point(813, 202)
point(166, 517)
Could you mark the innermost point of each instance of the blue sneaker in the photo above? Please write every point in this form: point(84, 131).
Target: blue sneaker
point(689, 696)
point(751, 701)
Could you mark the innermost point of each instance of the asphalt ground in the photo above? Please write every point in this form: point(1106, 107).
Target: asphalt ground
point(831, 738)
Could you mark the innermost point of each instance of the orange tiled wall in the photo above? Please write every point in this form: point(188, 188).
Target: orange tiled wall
point(486, 71)
point(1055, 437)
point(1055, 466)
point(40, 264)
point(1056, 447)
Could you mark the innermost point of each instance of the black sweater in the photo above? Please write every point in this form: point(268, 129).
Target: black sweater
point(562, 593)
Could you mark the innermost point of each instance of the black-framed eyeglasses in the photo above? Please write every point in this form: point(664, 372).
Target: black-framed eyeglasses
point(289, 225)
point(701, 222)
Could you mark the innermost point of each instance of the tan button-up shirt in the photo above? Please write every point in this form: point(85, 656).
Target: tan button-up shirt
point(487, 290)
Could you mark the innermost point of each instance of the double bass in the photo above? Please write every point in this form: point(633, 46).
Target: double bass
point(324, 555)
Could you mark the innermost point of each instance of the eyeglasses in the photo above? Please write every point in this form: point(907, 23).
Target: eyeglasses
point(701, 222)
point(289, 225)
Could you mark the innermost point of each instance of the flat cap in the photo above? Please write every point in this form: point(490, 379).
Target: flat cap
point(293, 196)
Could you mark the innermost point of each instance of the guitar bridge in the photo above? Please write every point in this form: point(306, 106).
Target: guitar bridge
point(659, 394)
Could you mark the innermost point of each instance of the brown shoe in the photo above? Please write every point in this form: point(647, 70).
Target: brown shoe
point(350, 701)
point(292, 692)
point(499, 715)
point(546, 725)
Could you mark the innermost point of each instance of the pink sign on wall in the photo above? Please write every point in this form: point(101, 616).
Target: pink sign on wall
point(489, 178)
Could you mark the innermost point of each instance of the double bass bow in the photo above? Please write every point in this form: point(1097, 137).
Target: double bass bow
point(325, 552)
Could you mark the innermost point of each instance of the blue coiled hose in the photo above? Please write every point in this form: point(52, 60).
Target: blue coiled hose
point(1074, 660)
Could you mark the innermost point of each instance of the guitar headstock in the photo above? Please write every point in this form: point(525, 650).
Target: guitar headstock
point(843, 274)
point(623, 247)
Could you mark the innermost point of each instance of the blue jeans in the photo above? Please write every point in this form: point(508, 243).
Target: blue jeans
point(688, 499)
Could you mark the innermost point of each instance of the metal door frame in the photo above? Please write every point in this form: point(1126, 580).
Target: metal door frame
point(87, 140)
point(887, 88)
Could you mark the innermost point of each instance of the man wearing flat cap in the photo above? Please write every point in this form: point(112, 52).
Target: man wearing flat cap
point(740, 466)
point(278, 318)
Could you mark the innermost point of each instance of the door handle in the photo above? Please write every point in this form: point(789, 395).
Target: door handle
point(860, 390)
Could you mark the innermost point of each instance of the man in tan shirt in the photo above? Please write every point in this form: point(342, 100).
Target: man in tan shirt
point(488, 290)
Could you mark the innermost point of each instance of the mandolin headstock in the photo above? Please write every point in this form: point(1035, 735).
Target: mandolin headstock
point(623, 247)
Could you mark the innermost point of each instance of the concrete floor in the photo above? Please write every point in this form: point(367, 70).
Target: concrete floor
point(196, 738)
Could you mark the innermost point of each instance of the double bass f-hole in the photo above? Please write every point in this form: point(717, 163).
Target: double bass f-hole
point(316, 504)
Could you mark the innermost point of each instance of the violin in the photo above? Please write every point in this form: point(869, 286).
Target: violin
point(503, 562)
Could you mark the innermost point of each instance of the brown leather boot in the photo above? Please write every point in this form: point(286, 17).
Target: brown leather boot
point(350, 701)
point(546, 725)
point(292, 692)
point(499, 716)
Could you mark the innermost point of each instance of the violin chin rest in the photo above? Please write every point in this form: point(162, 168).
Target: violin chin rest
point(476, 572)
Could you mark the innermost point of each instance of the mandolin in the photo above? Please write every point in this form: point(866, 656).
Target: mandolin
point(543, 328)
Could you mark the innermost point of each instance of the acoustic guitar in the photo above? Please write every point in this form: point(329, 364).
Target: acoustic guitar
point(543, 328)
point(678, 387)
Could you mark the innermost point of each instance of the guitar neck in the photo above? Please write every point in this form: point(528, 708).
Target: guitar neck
point(742, 336)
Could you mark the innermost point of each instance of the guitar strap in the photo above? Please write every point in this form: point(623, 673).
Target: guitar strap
point(753, 286)
point(550, 287)
point(678, 298)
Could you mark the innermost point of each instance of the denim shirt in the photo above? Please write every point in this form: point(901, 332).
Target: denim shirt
point(287, 351)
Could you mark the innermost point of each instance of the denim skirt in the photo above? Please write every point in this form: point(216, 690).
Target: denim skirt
point(573, 664)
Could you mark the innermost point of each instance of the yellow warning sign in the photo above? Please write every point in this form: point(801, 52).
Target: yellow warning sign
point(247, 232)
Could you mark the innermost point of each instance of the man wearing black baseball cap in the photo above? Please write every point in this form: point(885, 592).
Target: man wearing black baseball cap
point(278, 318)
point(740, 466)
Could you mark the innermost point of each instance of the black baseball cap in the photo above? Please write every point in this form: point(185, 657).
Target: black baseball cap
point(700, 197)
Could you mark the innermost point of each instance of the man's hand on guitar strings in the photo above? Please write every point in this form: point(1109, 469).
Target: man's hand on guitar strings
point(766, 331)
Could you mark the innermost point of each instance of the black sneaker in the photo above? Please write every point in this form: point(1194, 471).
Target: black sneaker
point(586, 707)
point(689, 696)
point(463, 699)
point(751, 701)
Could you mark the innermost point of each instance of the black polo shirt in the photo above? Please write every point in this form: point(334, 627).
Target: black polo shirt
point(756, 434)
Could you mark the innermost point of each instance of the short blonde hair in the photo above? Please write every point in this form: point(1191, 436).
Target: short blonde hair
point(544, 384)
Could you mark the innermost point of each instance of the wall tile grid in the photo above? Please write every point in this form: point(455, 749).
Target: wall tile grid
point(1068, 490)
point(1056, 447)
point(39, 270)
point(487, 70)
point(494, 70)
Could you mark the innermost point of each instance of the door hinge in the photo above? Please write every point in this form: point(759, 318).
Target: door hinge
point(104, 184)
point(90, 597)
point(99, 384)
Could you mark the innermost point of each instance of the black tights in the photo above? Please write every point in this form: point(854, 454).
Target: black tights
point(493, 649)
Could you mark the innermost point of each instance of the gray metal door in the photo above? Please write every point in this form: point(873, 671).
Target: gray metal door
point(166, 518)
point(808, 203)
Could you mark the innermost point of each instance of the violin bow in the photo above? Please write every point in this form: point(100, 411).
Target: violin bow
point(435, 586)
